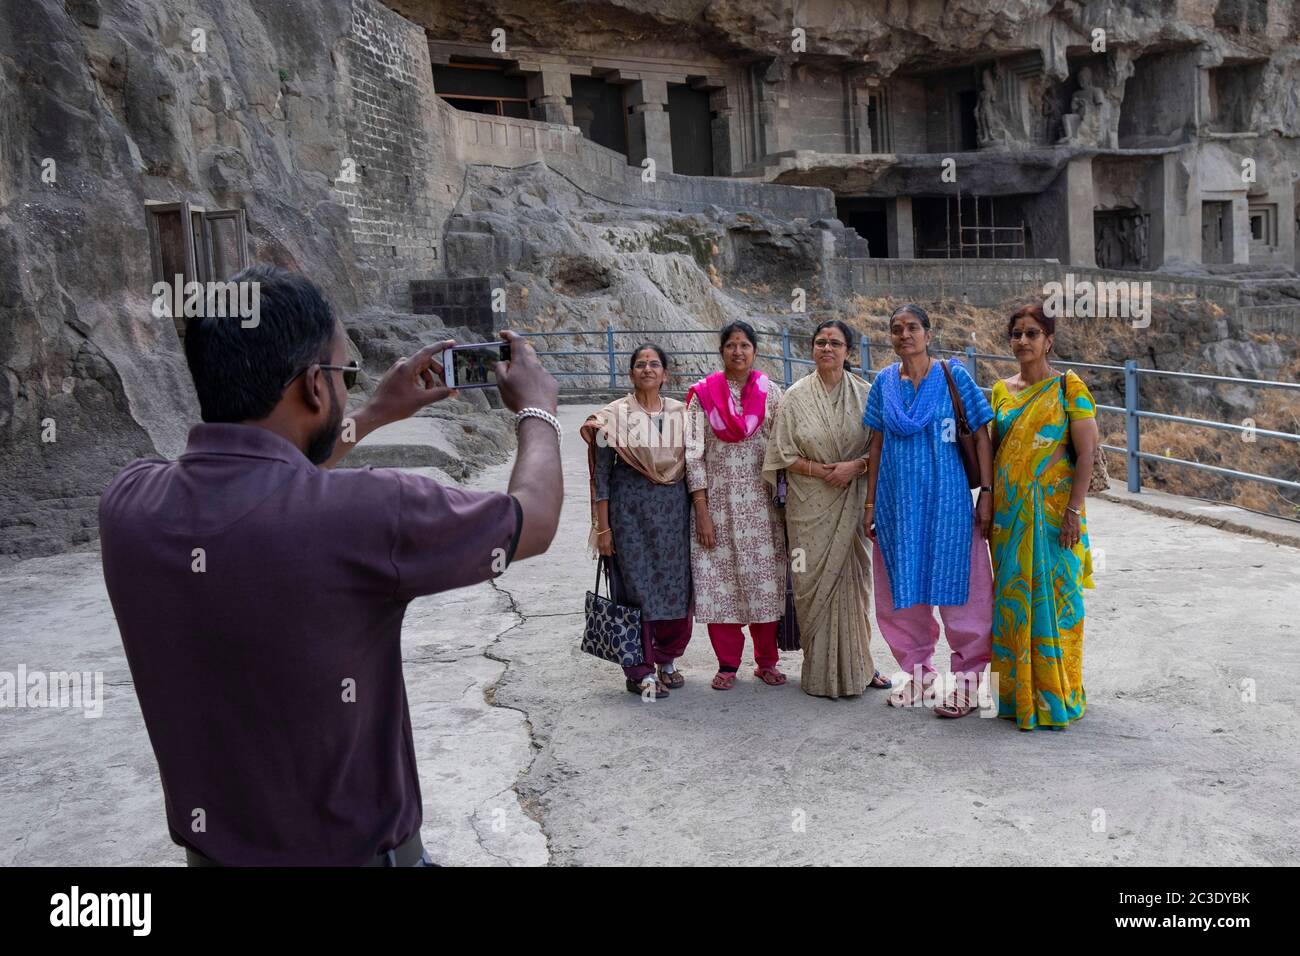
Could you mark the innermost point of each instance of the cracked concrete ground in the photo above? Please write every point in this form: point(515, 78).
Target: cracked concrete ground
point(531, 752)
point(1169, 766)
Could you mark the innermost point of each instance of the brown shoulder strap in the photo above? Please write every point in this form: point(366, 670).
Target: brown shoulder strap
point(957, 407)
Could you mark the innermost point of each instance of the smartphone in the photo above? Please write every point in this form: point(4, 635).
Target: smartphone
point(474, 366)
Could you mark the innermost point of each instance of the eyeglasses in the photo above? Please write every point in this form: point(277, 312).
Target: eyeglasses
point(1029, 334)
point(828, 344)
point(653, 366)
point(349, 373)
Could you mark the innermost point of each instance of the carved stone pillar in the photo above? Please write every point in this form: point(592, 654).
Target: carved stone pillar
point(648, 133)
point(547, 94)
point(728, 157)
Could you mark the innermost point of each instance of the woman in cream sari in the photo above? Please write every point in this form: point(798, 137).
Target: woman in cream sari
point(820, 442)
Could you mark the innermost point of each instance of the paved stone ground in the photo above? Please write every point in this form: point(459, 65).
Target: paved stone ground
point(531, 752)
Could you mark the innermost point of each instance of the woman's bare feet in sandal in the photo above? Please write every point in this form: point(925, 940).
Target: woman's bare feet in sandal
point(724, 680)
point(770, 676)
point(956, 704)
point(908, 694)
point(879, 680)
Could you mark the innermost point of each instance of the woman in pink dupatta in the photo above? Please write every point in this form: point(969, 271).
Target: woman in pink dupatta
point(738, 556)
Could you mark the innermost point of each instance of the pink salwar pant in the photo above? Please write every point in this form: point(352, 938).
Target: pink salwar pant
point(729, 644)
point(913, 633)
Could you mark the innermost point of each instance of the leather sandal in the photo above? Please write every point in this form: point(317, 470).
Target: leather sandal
point(907, 695)
point(673, 680)
point(770, 676)
point(636, 687)
point(956, 704)
point(724, 680)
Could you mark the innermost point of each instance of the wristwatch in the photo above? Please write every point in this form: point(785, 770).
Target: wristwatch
point(986, 488)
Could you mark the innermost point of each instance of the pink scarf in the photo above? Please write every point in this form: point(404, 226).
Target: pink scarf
point(729, 422)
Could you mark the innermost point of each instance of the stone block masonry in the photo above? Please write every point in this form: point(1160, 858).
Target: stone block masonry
point(394, 155)
point(460, 303)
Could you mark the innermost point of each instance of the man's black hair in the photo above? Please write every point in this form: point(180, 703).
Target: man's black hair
point(240, 373)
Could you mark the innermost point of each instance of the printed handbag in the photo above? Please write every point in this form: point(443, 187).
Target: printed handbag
point(613, 631)
point(965, 435)
point(1099, 480)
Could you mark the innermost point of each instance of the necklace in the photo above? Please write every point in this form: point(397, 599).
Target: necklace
point(646, 405)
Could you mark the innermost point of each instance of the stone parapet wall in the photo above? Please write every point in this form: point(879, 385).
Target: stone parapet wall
point(507, 142)
point(991, 283)
point(1270, 319)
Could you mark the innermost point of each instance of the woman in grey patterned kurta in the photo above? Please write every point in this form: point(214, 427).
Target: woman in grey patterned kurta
point(643, 525)
point(738, 560)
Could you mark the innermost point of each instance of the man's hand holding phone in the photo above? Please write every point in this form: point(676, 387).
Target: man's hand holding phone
point(522, 380)
point(410, 384)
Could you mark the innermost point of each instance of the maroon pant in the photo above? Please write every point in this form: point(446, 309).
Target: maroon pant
point(664, 642)
point(729, 643)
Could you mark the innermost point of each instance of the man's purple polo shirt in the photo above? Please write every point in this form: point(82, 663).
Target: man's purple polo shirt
point(268, 666)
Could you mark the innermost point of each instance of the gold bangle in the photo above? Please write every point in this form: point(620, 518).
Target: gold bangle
point(869, 504)
point(599, 533)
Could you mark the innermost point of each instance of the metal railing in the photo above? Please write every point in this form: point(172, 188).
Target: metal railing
point(1132, 411)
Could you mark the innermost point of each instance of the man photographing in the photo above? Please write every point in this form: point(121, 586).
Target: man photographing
point(260, 594)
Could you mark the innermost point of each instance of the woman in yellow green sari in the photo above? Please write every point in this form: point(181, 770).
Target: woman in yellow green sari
point(1041, 558)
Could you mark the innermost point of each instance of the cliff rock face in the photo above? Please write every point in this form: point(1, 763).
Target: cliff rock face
point(111, 97)
point(107, 104)
point(886, 35)
point(574, 262)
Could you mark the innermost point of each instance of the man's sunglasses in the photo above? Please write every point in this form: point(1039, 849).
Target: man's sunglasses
point(349, 373)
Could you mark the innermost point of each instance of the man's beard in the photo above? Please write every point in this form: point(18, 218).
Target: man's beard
point(321, 445)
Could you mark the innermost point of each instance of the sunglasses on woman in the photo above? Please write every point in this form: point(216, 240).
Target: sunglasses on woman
point(1029, 334)
point(349, 373)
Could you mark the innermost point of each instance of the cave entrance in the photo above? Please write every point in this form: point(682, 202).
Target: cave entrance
point(870, 220)
point(951, 100)
point(690, 127)
point(598, 112)
point(1216, 239)
point(969, 227)
point(482, 88)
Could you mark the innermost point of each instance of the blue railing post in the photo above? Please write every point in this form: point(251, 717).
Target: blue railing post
point(866, 353)
point(785, 355)
point(970, 360)
point(1133, 438)
point(609, 349)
